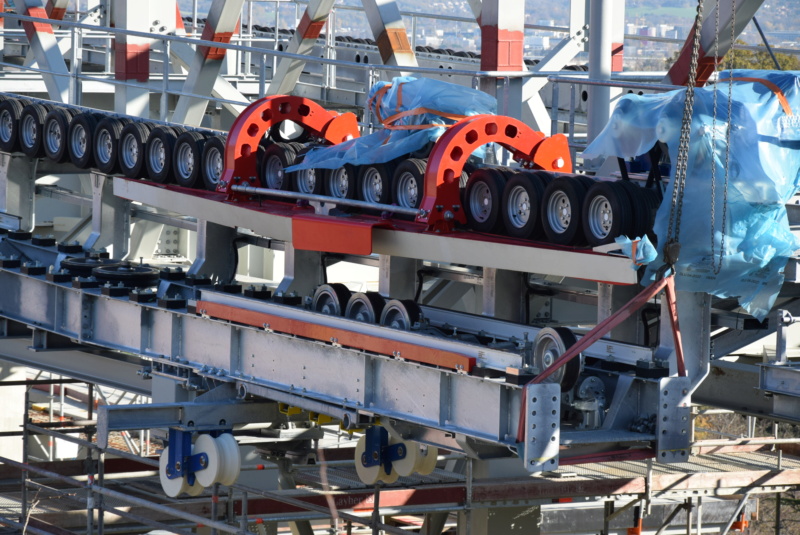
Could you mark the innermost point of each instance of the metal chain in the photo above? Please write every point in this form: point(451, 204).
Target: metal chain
point(714, 140)
point(717, 258)
point(672, 247)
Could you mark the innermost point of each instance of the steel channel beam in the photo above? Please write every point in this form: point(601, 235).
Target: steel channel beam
point(97, 368)
point(191, 416)
point(363, 382)
point(452, 249)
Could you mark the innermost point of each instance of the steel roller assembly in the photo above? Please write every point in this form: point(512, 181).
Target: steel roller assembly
point(186, 467)
point(383, 457)
point(540, 201)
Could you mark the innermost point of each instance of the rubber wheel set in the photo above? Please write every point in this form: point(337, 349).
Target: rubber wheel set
point(368, 307)
point(569, 210)
point(112, 145)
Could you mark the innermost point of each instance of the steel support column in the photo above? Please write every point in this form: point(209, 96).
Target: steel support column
point(389, 32)
point(503, 291)
point(222, 22)
point(397, 277)
point(45, 49)
point(694, 314)
point(110, 218)
point(502, 34)
point(132, 56)
point(216, 254)
point(16, 196)
point(303, 41)
point(600, 31)
point(303, 271)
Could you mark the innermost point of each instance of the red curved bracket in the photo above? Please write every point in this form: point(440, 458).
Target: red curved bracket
point(441, 196)
point(253, 123)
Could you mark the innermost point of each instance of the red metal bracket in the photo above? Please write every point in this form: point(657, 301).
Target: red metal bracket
point(442, 199)
point(334, 234)
point(602, 328)
point(250, 126)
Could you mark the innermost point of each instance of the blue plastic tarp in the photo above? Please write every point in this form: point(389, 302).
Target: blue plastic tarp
point(751, 236)
point(442, 100)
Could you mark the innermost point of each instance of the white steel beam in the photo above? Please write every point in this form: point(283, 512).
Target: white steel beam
point(599, 103)
point(45, 49)
point(303, 41)
point(502, 45)
point(389, 33)
point(711, 41)
point(55, 9)
point(183, 54)
point(132, 57)
point(204, 69)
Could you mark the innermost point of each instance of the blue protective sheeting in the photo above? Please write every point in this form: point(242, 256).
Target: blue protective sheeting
point(404, 94)
point(763, 165)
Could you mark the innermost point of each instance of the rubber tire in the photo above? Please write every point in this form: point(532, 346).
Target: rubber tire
point(652, 203)
point(114, 128)
point(495, 181)
point(88, 122)
point(415, 168)
point(369, 300)
point(621, 212)
point(575, 191)
point(642, 221)
point(194, 143)
point(213, 146)
point(285, 156)
point(166, 137)
point(11, 110)
point(38, 112)
point(534, 188)
point(328, 177)
point(385, 174)
point(138, 132)
point(572, 369)
point(295, 176)
point(62, 118)
point(137, 276)
point(338, 291)
point(412, 309)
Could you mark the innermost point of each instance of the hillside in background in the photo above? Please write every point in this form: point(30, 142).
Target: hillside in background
point(657, 18)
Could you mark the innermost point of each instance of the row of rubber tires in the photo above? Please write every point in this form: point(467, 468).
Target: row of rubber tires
point(336, 299)
point(572, 210)
point(113, 145)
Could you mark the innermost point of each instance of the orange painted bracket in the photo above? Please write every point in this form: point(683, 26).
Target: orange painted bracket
point(323, 333)
point(441, 196)
point(249, 128)
point(333, 234)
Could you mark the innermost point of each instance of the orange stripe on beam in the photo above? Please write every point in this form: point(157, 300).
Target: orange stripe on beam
point(210, 52)
point(55, 13)
point(179, 19)
point(323, 333)
point(132, 61)
point(501, 50)
point(32, 28)
point(617, 57)
point(309, 29)
point(393, 41)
